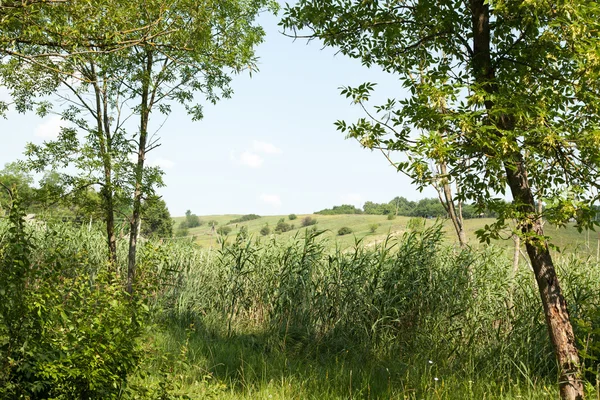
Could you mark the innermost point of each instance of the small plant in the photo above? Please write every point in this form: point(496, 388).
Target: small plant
point(224, 230)
point(373, 227)
point(292, 217)
point(391, 217)
point(308, 221)
point(212, 223)
point(416, 224)
point(265, 230)
point(344, 231)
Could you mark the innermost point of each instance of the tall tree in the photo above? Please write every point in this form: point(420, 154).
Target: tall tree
point(169, 52)
point(506, 92)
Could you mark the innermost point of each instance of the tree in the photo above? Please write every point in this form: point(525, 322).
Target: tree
point(187, 48)
point(505, 94)
point(156, 217)
point(191, 220)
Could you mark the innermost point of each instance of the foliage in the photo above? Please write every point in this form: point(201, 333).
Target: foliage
point(244, 218)
point(391, 217)
point(224, 230)
point(344, 231)
point(373, 228)
point(191, 221)
point(343, 209)
point(265, 230)
point(308, 221)
point(156, 218)
point(67, 327)
point(416, 224)
point(292, 217)
point(212, 223)
point(283, 226)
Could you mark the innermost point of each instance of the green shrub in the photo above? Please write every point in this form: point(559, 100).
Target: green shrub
point(416, 224)
point(344, 231)
point(391, 217)
point(373, 227)
point(182, 232)
point(244, 218)
point(68, 328)
point(292, 217)
point(283, 226)
point(265, 230)
point(308, 221)
point(212, 222)
point(224, 230)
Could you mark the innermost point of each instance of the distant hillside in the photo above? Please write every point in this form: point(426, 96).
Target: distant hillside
point(362, 224)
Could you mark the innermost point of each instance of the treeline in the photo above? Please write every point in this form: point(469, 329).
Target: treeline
point(427, 208)
point(56, 198)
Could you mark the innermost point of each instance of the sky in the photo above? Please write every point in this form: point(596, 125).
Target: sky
point(271, 149)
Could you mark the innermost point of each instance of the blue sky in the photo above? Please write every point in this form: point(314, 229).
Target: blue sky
point(270, 149)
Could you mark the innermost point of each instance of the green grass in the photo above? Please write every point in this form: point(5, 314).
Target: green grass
point(567, 239)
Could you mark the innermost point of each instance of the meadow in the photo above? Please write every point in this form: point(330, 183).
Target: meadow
point(567, 239)
point(302, 315)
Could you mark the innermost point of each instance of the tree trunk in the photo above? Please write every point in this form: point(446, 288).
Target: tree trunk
point(555, 307)
point(105, 146)
point(145, 103)
point(455, 216)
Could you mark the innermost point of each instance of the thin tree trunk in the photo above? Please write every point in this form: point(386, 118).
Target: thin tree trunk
point(146, 102)
point(448, 203)
point(555, 307)
point(105, 146)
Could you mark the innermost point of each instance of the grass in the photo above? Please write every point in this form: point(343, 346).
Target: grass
point(567, 239)
point(300, 320)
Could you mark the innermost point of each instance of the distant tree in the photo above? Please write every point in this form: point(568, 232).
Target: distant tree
point(344, 231)
point(191, 220)
point(339, 210)
point(224, 230)
point(292, 217)
point(283, 226)
point(308, 220)
point(244, 218)
point(265, 230)
point(156, 219)
point(13, 174)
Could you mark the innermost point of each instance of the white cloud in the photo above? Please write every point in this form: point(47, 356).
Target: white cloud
point(271, 199)
point(163, 163)
point(352, 199)
point(50, 128)
point(251, 160)
point(264, 147)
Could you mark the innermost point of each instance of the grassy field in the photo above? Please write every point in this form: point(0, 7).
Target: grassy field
point(567, 239)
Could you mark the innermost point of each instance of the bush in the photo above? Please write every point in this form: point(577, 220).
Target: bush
point(416, 224)
point(391, 217)
point(308, 221)
point(344, 231)
point(292, 217)
point(224, 230)
point(244, 218)
point(212, 222)
point(283, 226)
point(373, 227)
point(182, 232)
point(68, 328)
point(265, 230)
